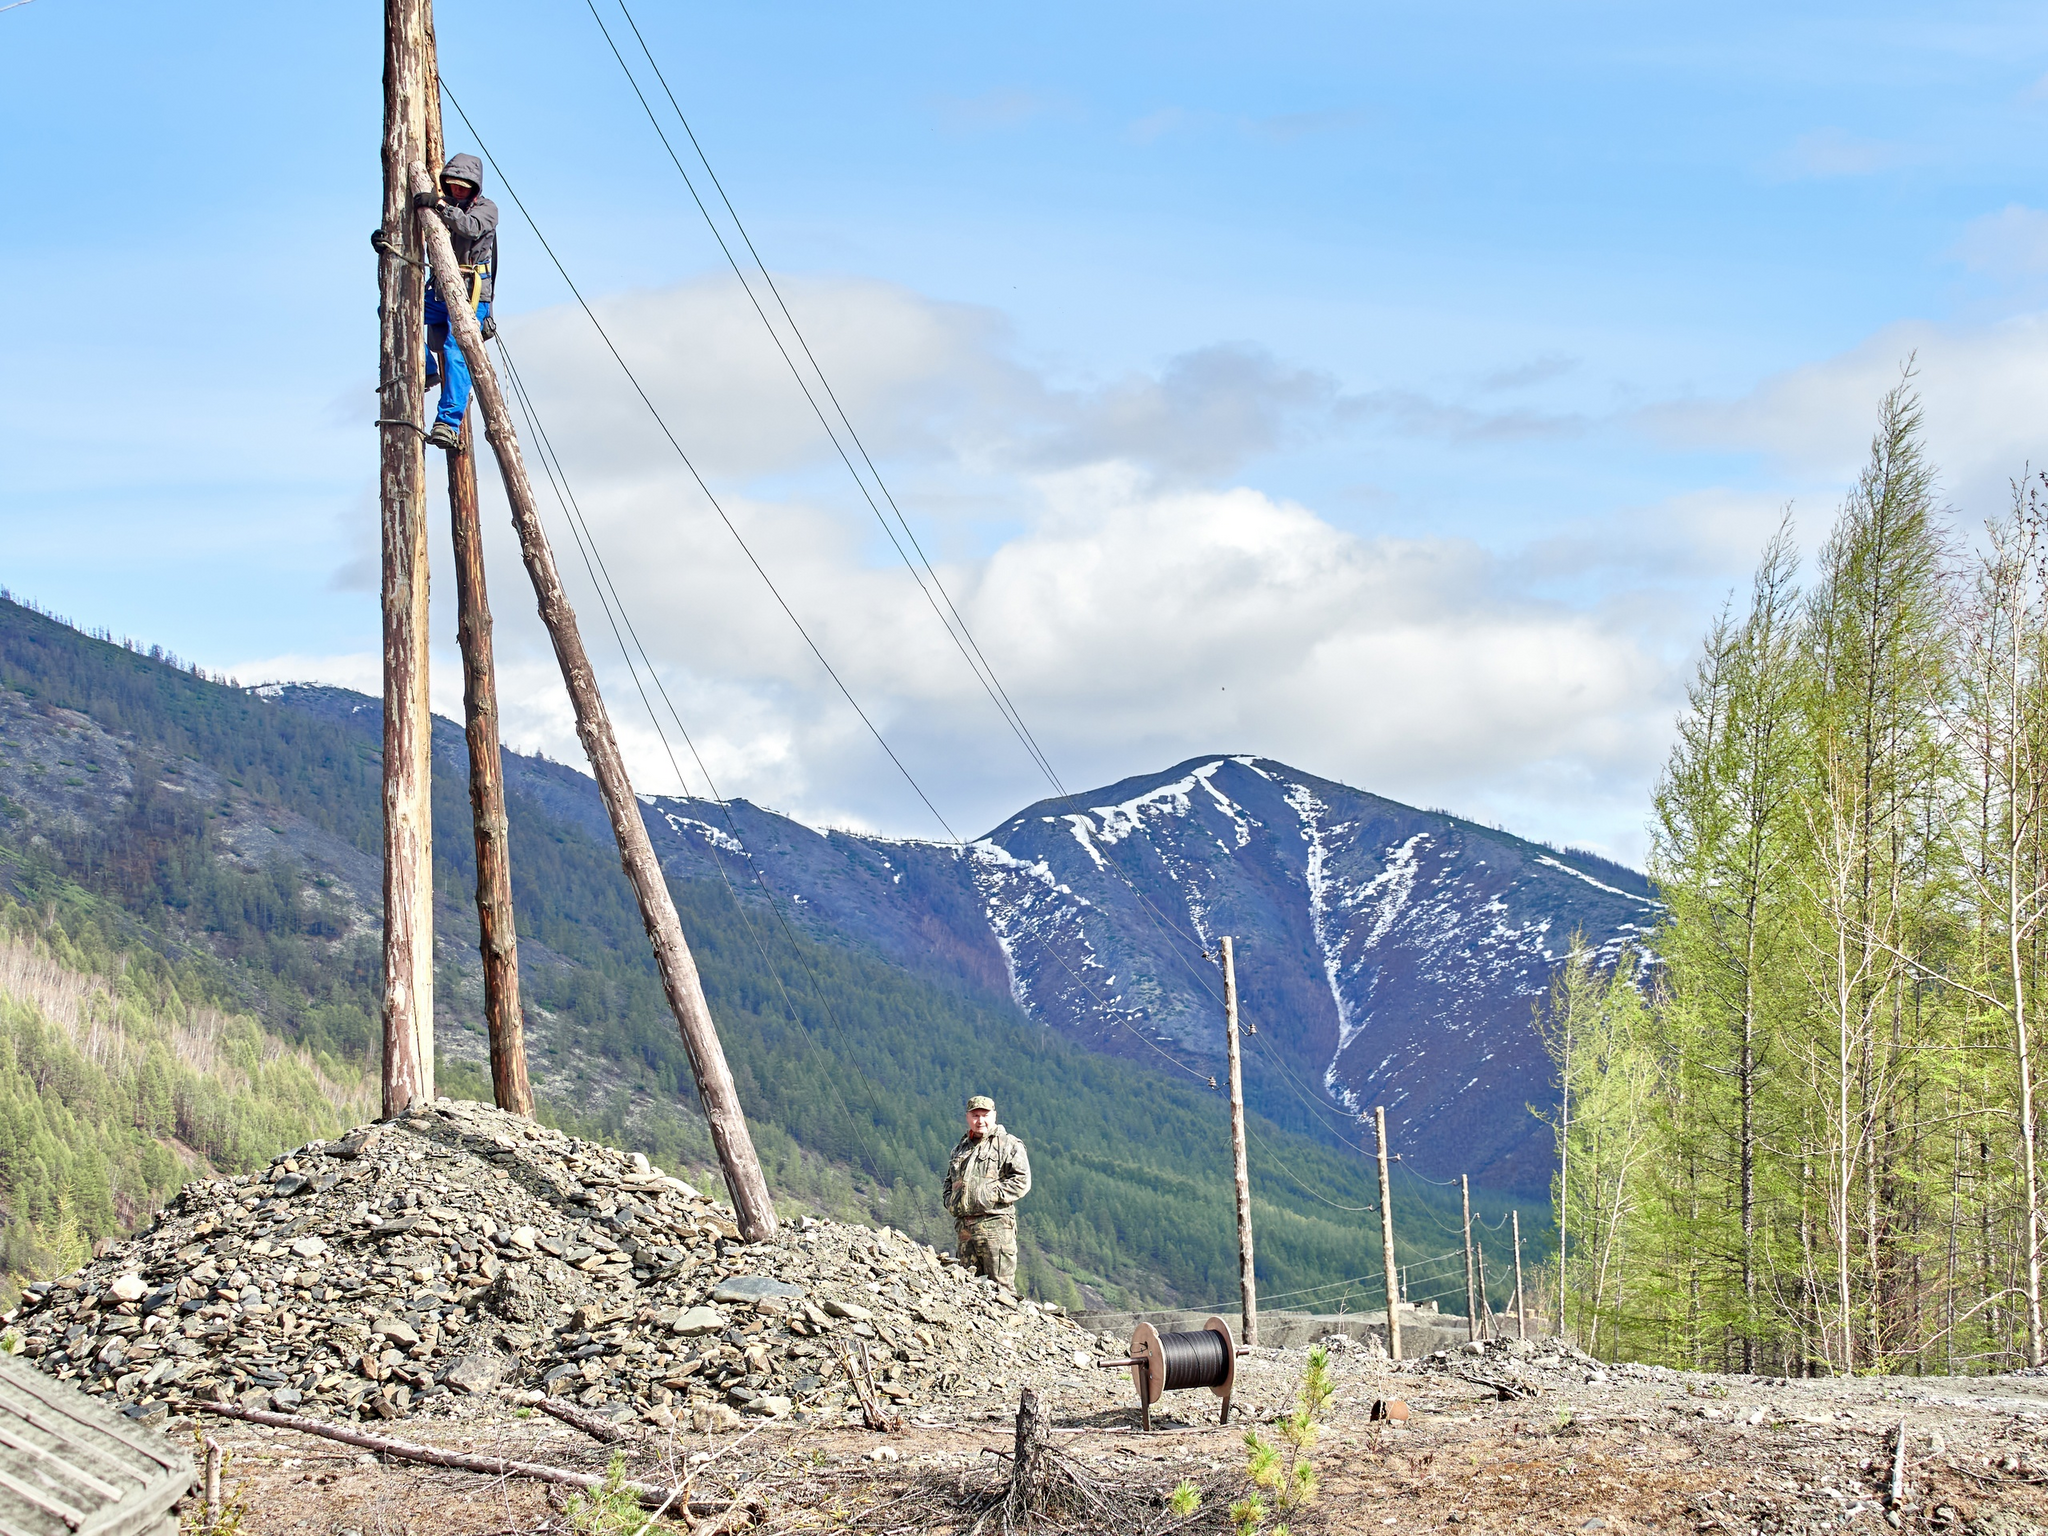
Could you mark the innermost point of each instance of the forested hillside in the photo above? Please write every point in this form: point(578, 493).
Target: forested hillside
point(1810, 1142)
point(220, 848)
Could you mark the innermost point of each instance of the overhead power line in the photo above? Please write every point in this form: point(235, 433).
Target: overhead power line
point(950, 617)
point(511, 192)
point(921, 570)
point(690, 465)
point(614, 606)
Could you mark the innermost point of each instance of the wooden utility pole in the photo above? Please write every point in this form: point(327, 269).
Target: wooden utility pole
point(401, 482)
point(1485, 1306)
point(1379, 1125)
point(1246, 1283)
point(1471, 1276)
point(1521, 1298)
point(715, 1088)
point(497, 936)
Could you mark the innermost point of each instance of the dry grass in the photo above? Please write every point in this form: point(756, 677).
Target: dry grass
point(113, 1034)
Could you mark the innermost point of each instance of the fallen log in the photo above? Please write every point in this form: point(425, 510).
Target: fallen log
point(649, 1494)
point(606, 1431)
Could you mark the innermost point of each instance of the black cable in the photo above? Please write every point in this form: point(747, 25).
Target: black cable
point(1313, 1108)
point(1425, 1178)
point(1306, 1187)
point(1198, 1359)
point(690, 465)
point(1158, 919)
point(993, 684)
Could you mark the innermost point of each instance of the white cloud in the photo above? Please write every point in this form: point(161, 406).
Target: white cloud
point(1139, 606)
point(2010, 243)
point(1134, 625)
point(1829, 152)
point(1980, 387)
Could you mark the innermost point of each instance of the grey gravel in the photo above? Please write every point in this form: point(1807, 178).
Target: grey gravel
point(464, 1252)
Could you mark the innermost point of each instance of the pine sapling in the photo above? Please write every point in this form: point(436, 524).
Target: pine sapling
point(1285, 1474)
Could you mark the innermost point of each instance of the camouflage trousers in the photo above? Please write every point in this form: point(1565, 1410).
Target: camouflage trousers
point(988, 1246)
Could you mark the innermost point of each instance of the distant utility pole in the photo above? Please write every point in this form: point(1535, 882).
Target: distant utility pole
point(1471, 1274)
point(409, 82)
point(1379, 1125)
point(1485, 1306)
point(1247, 1285)
point(1521, 1299)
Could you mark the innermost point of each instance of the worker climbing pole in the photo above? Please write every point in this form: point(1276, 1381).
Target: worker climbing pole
point(411, 189)
point(472, 223)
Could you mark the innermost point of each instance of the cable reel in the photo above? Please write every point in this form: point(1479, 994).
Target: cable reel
point(1179, 1362)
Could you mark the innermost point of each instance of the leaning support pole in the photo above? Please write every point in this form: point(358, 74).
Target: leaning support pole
point(498, 939)
point(1246, 1280)
point(1379, 1126)
point(715, 1088)
point(401, 494)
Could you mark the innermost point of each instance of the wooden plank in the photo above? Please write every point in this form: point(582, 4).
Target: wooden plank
point(65, 1512)
point(44, 1453)
point(79, 1408)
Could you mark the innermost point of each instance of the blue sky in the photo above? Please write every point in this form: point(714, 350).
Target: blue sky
point(1392, 389)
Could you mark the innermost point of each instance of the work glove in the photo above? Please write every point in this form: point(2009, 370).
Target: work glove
point(425, 200)
point(489, 326)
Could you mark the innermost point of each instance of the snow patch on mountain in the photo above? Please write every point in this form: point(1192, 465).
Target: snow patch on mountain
point(715, 836)
point(1395, 885)
point(1311, 810)
point(1544, 858)
point(1022, 900)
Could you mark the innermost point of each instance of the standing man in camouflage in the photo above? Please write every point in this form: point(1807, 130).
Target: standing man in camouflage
point(990, 1173)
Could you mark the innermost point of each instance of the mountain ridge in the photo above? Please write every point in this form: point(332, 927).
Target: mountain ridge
point(1386, 948)
point(224, 847)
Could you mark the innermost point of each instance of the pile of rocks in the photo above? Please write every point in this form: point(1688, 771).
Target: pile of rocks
point(461, 1250)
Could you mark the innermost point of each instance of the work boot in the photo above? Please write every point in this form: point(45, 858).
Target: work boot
point(445, 436)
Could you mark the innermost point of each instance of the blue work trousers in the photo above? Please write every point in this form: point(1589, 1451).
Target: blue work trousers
point(445, 353)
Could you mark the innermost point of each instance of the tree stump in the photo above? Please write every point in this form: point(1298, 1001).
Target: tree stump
point(1027, 1463)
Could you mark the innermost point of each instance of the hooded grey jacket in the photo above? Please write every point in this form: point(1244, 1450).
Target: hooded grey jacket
point(474, 229)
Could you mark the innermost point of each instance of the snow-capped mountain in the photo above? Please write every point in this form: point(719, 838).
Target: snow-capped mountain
point(1385, 955)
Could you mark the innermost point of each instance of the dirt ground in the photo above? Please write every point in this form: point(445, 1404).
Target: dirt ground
point(1611, 1451)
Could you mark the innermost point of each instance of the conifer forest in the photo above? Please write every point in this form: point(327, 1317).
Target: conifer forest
point(1799, 1131)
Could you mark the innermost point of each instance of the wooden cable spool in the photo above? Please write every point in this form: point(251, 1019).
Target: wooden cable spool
point(1177, 1362)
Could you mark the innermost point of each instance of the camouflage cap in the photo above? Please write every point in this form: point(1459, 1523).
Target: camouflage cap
point(982, 1101)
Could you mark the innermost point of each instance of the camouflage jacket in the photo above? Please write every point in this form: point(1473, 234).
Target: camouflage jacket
point(987, 1177)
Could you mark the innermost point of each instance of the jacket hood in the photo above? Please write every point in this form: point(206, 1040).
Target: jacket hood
point(465, 168)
